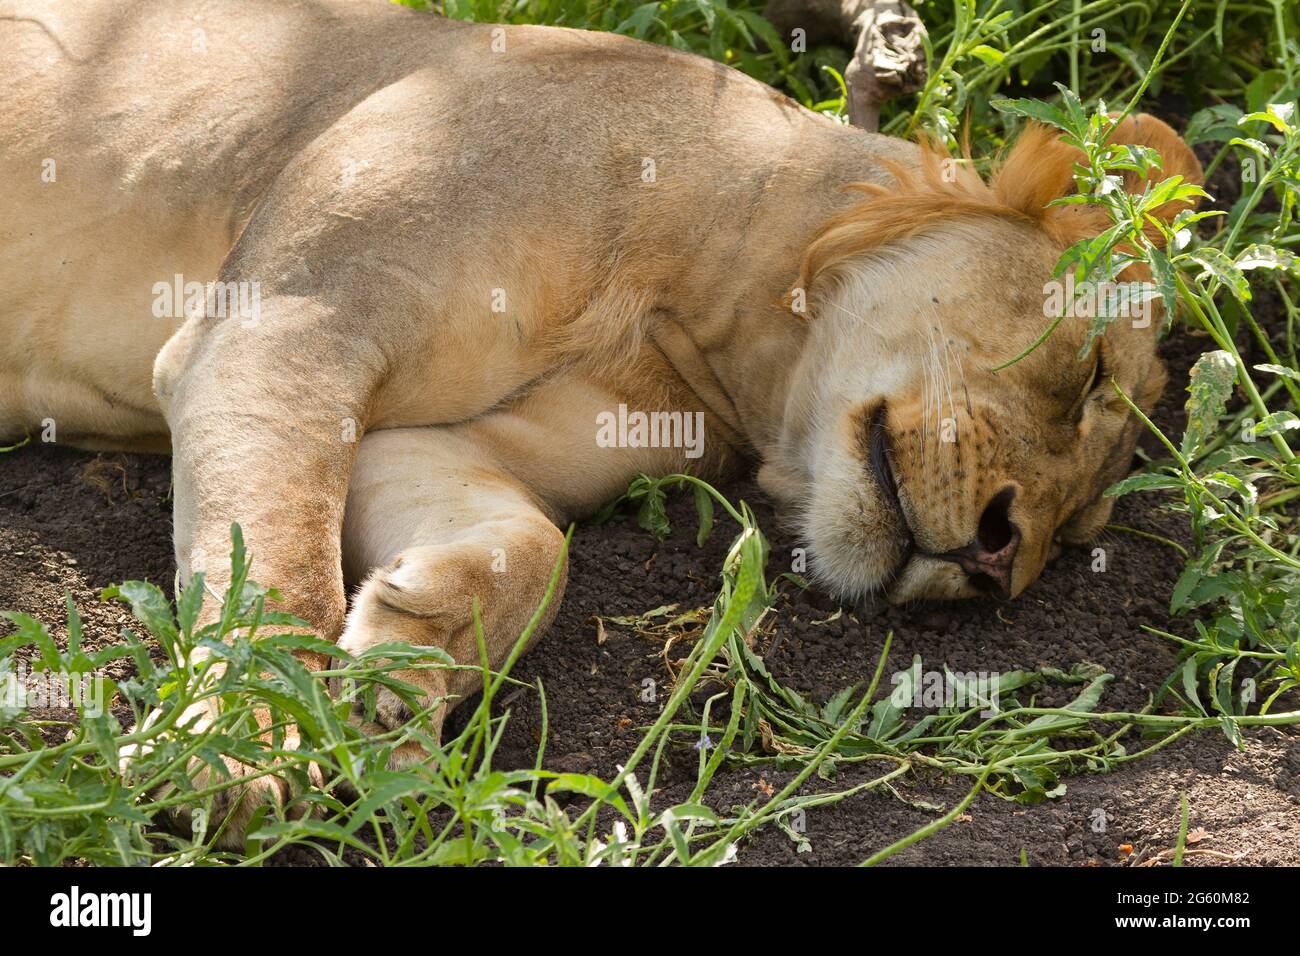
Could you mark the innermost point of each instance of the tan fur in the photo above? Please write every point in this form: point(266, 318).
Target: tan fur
point(389, 179)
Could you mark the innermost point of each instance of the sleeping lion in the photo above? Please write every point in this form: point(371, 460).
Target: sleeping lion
point(375, 278)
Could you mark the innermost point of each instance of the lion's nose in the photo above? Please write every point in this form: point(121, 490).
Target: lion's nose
point(988, 559)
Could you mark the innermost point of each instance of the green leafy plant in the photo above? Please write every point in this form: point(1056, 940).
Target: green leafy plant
point(1235, 482)
point(233, 693)
point(1000, 735)
point(110, 786)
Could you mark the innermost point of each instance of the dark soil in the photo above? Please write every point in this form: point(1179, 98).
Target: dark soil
point(76, 521)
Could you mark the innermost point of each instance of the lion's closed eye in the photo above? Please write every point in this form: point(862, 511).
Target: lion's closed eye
point(1092, 385)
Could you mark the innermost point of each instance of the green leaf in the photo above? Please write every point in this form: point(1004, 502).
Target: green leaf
point(1232, 730)
point(589, 786)
point(1253, 145)
point(1278, 115)
point(382, 789)
point(149, 605)
point(653, 514)
point(1276, 423)
point(1281, 370)
point(1165, 279)
point(834, 708)
point(74, 626)
point(31, 631)
point(1078, 117)
point(1087, 700)
point(1190, 581)
point(1040, 110)
point(1216, 265)
point(638, 22)
point(1212, 380)
point(704, 508)
point(1260, 256)
point(1146, 481)
point(189, 603)
point(1190, 681)
point(1213, 125)
point(690, 811)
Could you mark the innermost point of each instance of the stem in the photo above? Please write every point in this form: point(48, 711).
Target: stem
point(933, 827)
point(1155, 62)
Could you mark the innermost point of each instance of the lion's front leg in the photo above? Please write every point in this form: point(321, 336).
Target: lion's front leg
point(437, 523)
point(265, 413)
point(265, 418)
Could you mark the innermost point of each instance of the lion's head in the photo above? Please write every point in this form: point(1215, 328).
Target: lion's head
point(924, 473)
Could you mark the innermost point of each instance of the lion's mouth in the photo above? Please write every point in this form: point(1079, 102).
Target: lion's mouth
point(882, 470)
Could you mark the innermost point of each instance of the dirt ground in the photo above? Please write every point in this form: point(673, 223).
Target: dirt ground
point(77, 521)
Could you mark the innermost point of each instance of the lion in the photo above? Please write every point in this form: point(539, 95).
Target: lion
point(373, 277)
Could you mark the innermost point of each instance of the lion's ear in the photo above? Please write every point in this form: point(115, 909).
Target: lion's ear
point(1040, 168)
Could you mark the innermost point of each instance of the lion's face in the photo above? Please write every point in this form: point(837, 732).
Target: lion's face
point(929, 475)
point(917, 469)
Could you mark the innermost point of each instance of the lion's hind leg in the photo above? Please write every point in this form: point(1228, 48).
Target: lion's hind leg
point(432, 523)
